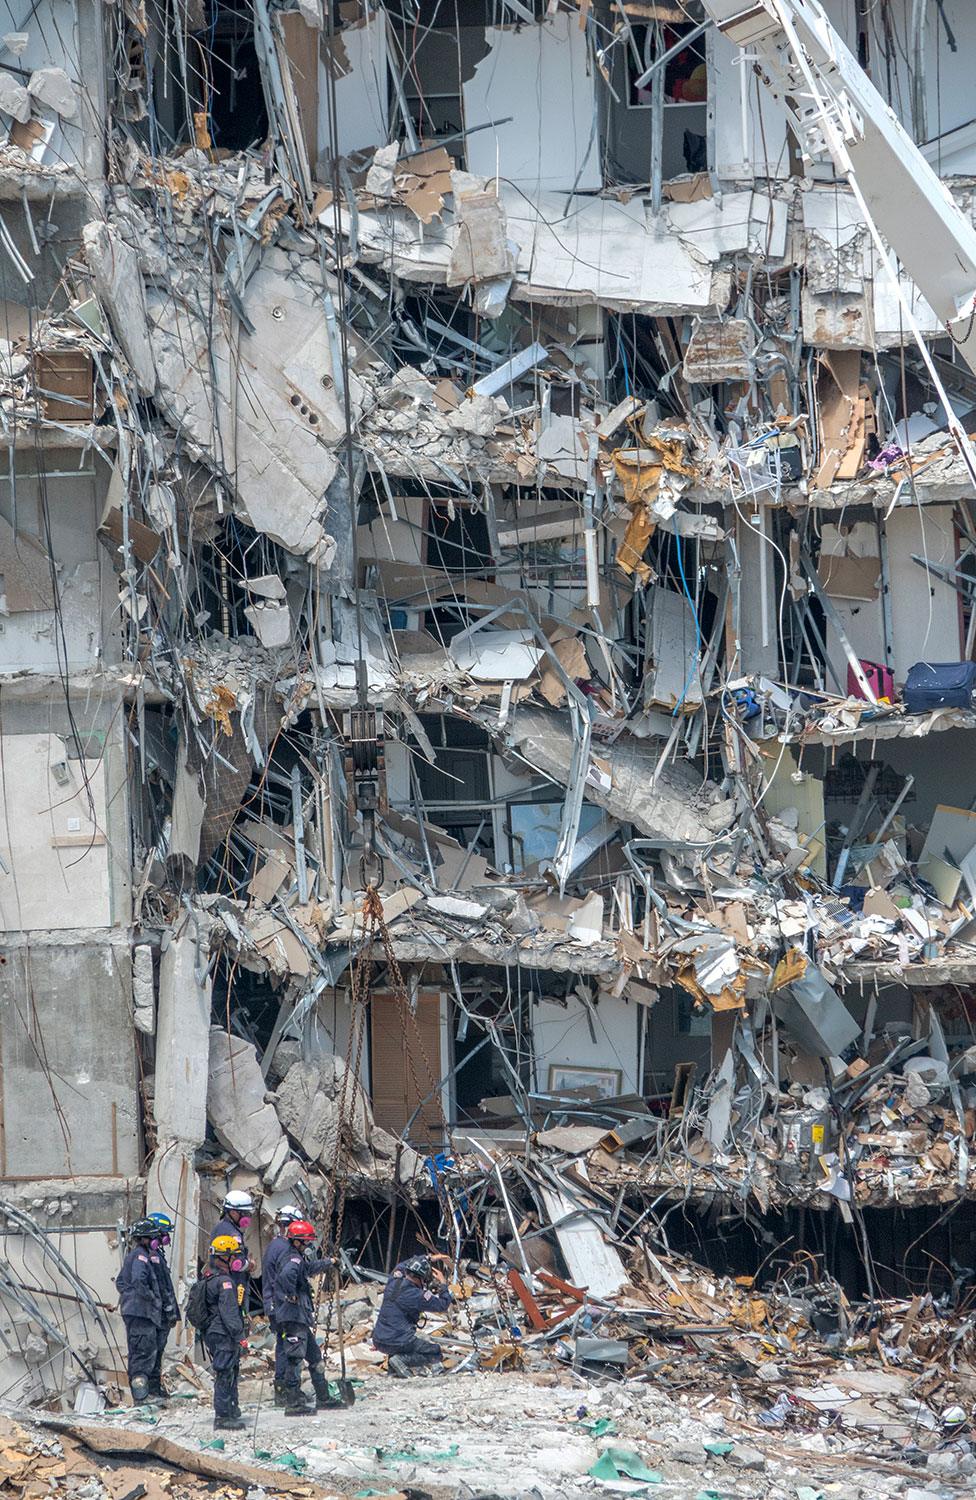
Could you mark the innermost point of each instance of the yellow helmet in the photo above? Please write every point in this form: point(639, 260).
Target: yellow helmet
point(225, 1244)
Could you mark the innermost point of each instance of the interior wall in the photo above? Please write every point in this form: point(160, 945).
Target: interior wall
point(54, 837)
point(67, 498)
point(361, 92)
point(70, 1105)
point(52, 40)
point(747, 126)
point(924, 610)
point(946, 79)
point(561, 1036)
point(941, 765)
point(540, 75)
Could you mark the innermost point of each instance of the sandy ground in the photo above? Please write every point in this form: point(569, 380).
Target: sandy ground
point(514, 1435)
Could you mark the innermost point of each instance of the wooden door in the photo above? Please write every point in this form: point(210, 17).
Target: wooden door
point(398, 1087)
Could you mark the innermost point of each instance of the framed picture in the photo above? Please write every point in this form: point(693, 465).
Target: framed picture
point(599, 1083)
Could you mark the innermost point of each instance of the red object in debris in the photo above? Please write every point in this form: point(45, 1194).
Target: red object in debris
point(880, 678)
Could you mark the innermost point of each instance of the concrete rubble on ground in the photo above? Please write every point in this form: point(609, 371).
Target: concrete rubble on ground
point(477, 502)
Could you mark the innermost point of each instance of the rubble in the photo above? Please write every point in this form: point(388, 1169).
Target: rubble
point(478, 510)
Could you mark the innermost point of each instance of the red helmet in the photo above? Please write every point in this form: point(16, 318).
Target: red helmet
point(301, 1229)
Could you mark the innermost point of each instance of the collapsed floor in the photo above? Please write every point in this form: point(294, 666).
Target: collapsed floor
point(538, 532)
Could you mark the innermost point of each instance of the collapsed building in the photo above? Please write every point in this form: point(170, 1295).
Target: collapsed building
point(474, 453)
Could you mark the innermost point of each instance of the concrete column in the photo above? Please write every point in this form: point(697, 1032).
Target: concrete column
point(180, 1106)
point(183, 1040)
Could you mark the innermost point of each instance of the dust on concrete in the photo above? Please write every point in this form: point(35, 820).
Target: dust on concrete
point(517, 1435)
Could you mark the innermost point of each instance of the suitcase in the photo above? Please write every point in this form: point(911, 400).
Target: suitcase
point(940, 684)
point(880, 678)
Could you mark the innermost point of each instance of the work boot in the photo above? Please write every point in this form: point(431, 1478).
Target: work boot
point(158, 1392)
point(324, 1400)
point(139, 1386)
point(229, 1424)
point(398, 1367)
point(280, 1395)
point(296, 1402)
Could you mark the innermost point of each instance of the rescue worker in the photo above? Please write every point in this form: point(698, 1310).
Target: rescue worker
point(295, 1318)
point(171, 1310)
point(225, 1335)
point(238, 1211)
point(416, 1287)
point(141, 1306)
point(278, 1247)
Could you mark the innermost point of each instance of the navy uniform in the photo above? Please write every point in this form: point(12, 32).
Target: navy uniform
point(294, 1315)
point(406, 1297)
point(141, 1306)
point(230, 1226)
point(225, 1335)
point(167, 1291)
point(278, 1248)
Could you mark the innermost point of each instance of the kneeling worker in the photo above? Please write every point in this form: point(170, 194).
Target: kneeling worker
point(409, 1293)
point(225, 1328)
point(294, 1316)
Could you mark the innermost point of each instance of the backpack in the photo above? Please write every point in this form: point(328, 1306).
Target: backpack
point(198, 1312)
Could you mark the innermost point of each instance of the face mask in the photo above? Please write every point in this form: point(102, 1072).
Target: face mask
point(243, 1220)
point(236, 1264)
point(164, 1239)
point(309, 1252)
point(154, 1244)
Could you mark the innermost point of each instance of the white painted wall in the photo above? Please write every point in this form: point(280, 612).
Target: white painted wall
point(87, 586)
point(93, 1255)
point(746, 124)
point(947, 81)
point(540, 76)
point(52, 882)
point(562, 1035)
point(924, 611)
point(361, 95)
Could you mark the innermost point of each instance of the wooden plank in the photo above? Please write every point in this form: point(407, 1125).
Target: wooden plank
point(578, 1294)
point(527, 1300)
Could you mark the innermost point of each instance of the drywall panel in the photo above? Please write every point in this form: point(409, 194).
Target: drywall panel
point(672, 677)
point(595, 249)
point(55, 850)
point(35, 639)
point(924, 611)
point(863, 624)
point(360, 92)
point(561, 1038)
point(540, 76)
point(786, 788)
point(70, 1105)
point(46, 1373)
point(746, 125)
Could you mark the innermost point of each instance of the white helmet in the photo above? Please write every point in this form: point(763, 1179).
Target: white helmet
point(288, 1213)
point(240, 1202)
